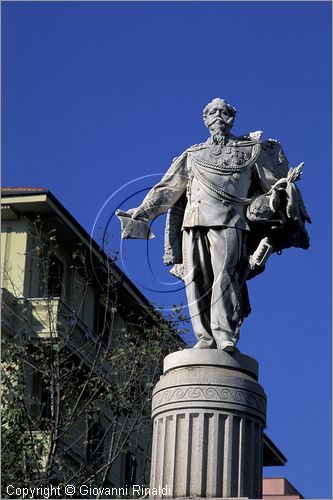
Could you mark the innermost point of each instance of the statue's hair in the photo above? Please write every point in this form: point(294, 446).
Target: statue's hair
point(218, 100)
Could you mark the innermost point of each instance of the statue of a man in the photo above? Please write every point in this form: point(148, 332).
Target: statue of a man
point(231, 201)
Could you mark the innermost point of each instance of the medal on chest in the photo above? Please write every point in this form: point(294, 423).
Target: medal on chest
point(224, 159)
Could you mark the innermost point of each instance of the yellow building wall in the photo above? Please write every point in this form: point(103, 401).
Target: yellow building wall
point(13, 256)
point(21, 277)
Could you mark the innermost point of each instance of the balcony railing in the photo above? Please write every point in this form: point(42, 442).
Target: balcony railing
point(50, 319)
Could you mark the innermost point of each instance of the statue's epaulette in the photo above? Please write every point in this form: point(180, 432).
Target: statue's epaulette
point(278, 162)
point(197, 147)
point(271, 144)
point(244, 141)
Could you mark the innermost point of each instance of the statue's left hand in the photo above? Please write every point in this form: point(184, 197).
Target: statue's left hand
point(280, 184)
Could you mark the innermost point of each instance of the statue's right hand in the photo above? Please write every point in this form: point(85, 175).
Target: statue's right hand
point(138, 212)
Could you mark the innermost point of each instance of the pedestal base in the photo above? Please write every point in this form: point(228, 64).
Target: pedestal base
point(208, 417)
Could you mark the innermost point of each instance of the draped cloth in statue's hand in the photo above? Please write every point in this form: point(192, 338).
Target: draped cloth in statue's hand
point(134, 228)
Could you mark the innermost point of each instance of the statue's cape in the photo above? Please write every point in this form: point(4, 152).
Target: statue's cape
point(291, 234)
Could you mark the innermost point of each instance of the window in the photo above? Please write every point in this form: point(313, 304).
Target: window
point(45, 400)
point(55, 277)
point(103, 321)
point(40, 396)
point(95, 443)
point(130, 469)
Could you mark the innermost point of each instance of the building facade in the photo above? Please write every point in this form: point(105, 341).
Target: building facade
point(74, 327)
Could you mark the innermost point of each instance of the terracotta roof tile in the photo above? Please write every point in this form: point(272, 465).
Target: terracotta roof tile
point(23, 189)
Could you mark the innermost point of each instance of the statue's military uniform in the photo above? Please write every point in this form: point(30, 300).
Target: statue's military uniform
point(216, 183)
point(217, 191)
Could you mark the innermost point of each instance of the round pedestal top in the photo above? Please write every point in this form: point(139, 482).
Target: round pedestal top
point(211, 357)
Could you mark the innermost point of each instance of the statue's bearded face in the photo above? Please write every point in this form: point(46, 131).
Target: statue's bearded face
point(219, 118)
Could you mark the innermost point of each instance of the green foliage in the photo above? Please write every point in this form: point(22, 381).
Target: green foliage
point(21, 448)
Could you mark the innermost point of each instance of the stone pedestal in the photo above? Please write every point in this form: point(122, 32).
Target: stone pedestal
point(208, 417)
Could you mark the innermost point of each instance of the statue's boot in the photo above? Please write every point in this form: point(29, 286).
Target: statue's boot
point(228, 346)
point(204, 343)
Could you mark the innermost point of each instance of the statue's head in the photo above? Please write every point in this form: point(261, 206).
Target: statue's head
point(219, 116)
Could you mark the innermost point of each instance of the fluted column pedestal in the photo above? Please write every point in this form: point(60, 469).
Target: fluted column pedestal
point(208, 417)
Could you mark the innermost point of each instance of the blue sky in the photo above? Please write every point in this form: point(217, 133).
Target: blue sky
point(95, 95)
